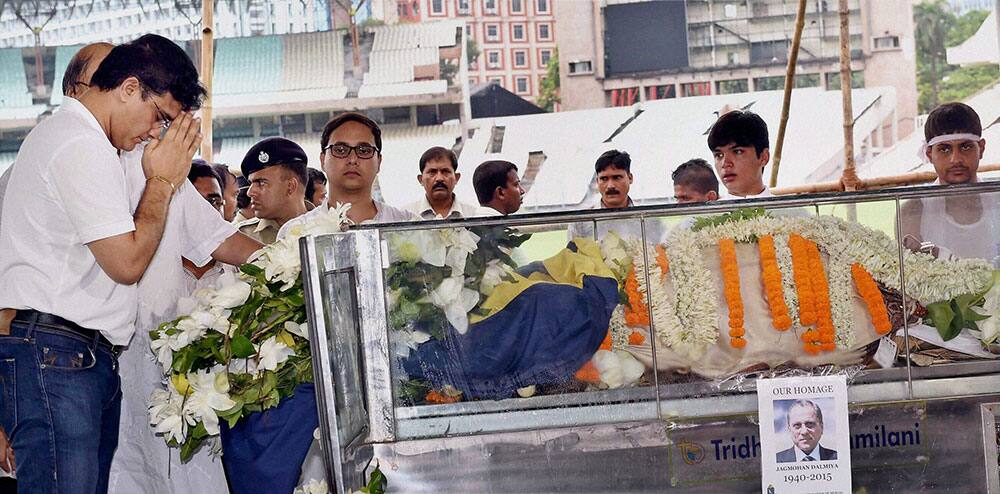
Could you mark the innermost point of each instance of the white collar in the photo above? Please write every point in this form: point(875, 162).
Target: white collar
point(800, 455)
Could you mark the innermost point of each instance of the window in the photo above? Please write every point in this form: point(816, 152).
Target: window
point(464, 7)
point(496, 80)
point(521, 85)
point(493, 59)
point(520, 59)
point(517, 32)
point(733, 58)
point(473, 81)
point(696, 89)
point(542, 6)
point(886, 42)
point(581, 67)
point(627, 96)
point(833, 80)
point(732, 86)
point(490, 6)
point(516, 6)
point(493, 32)
point(543, 57)
point(437, 7)
point(773, 83)
point(544, 32)
point(661, 92)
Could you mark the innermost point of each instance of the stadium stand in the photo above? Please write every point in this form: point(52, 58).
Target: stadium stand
point(13, 82)
point(63, 55)
point(397, 50)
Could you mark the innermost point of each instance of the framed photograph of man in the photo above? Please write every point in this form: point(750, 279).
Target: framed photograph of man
point(804, 435)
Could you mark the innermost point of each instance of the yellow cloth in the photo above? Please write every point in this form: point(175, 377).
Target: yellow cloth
point(566, 267)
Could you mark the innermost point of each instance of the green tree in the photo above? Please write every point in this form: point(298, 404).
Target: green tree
point(938, 29)
point(471, 50)
point(549, 91)
point(933, 21)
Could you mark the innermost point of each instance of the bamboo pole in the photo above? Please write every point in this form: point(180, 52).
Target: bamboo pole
point(849, 179)
point(912, 178)
point(207, 69)
point(793, 58)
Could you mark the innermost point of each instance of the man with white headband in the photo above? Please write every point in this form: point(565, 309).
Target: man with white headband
point(955, 225)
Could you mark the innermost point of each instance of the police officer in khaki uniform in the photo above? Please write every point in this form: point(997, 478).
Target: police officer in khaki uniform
point(276, 168)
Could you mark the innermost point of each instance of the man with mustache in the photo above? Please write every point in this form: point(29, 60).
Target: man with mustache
point(739, 142)
point(276, 168)
point(438, 175)
point(613, 174)
point(957, 225)
point(614, 179)
point(805, 426)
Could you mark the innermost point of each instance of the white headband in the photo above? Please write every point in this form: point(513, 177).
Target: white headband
point(945, 138)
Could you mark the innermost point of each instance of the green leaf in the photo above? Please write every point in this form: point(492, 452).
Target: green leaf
point(251, 270)
point(241, 346)
point(940, 315)
point(189, 448)
point(376, 482)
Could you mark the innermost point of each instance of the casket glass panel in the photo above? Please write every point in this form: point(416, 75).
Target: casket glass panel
point(949, 339)
point(487, 318)
point(840, 225)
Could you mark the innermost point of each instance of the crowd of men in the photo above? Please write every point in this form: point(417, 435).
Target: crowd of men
point(107, 222)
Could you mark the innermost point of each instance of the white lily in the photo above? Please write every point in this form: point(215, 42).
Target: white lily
point(456, 300)
point(210, 394)
point(189, 331)
point(230, 292)
point(165, 414)
point(406, 340)
point(271, 353)
point(161, 346)
point(298, 329)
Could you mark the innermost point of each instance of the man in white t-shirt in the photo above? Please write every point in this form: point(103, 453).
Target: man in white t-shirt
point(739, 142)
point(73, 251)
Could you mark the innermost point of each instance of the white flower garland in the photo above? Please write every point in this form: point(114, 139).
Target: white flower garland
point(692, 326)
point(928, 279)
point(783, 254)
point(619, 330)
point(841, 300)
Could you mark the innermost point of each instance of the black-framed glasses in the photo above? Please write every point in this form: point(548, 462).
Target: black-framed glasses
point(341, 150)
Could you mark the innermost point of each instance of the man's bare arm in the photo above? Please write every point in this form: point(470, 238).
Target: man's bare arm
point(236, 249)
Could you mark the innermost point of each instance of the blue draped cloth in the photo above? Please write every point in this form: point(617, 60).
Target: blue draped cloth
point(541, 337)
point(263, 452)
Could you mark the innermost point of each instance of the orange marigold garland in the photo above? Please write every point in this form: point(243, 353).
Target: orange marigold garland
point(731, 285)
point(771, 276)
point(636, 338)
point(803, 284)
point(872, 296)
point(821, 338)
point(661, 260)
point(636, 313)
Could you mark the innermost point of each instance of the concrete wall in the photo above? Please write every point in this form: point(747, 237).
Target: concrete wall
point(896, 67)
point(579, 38)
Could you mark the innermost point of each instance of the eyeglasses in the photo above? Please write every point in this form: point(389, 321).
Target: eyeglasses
point(341, 150)
point(165, 119)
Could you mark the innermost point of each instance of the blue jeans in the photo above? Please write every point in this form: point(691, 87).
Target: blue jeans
point(60, 402)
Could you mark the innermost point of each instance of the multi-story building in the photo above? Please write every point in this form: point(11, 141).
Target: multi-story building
point(619, 52)
point(515, 38)
point(73, 23)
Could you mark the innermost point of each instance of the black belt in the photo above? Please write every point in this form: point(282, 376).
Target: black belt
point(57, 324)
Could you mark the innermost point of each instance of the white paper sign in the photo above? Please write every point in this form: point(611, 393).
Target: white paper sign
point(805, 439)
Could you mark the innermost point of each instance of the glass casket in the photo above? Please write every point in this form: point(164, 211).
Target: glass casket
point(617, 351)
